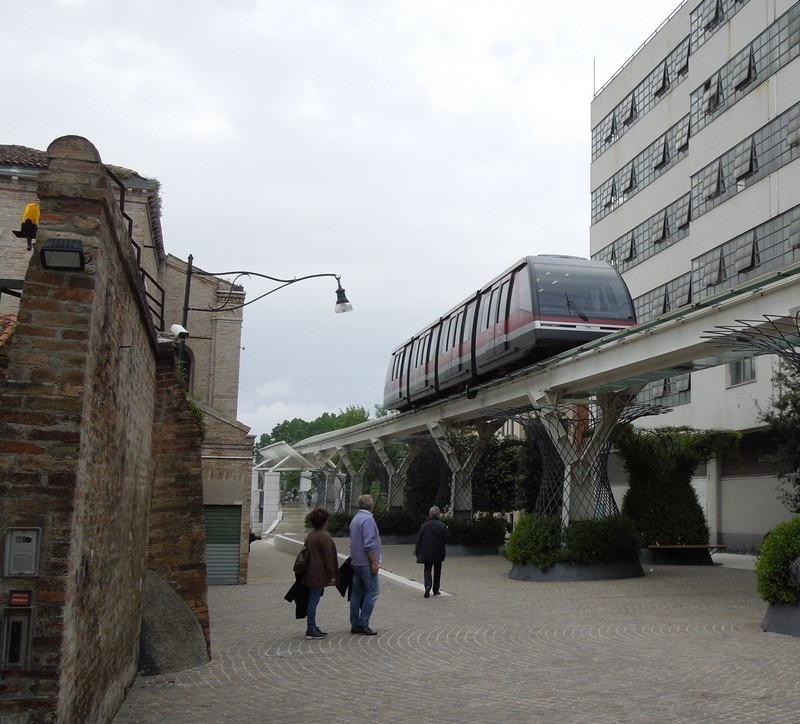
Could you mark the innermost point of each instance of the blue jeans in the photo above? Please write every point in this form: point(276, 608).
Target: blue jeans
point(364, 592)
point(314, 594)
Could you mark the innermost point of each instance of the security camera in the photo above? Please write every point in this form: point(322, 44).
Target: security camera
point(179, 331)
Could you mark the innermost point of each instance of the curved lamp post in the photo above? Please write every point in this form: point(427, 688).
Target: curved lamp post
point(342, 303)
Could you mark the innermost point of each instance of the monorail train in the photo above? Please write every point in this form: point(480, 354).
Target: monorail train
point(540, 306)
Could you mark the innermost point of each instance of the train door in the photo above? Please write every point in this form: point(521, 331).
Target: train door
point(395, 391)
point(420, 378)
point(500, 344)
point(496, 323)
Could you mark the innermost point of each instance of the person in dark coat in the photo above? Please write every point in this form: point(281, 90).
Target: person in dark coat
point(431, 549)
point(323, 568)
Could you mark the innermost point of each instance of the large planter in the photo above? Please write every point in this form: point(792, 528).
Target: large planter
point(577, 571)
point(782, 618)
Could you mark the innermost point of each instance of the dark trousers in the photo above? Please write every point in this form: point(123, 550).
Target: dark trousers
point(437, 576)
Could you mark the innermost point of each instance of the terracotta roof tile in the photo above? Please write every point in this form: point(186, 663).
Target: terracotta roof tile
point(22, 156)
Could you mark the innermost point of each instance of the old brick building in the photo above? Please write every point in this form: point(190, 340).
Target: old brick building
point(106, 472)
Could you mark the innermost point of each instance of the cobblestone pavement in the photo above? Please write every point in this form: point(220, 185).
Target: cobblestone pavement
point(681, 644)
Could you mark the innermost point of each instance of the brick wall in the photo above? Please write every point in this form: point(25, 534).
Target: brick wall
point(177, 530)
point(85, 403)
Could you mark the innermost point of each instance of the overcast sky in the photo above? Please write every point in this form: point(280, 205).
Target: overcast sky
point(415, 147)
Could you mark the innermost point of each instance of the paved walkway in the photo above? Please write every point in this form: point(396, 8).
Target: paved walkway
point(682, 644)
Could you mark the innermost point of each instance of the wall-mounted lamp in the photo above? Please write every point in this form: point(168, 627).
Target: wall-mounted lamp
point(66, 254)
point(30, 224)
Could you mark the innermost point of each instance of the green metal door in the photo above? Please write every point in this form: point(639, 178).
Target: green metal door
point(223, 542)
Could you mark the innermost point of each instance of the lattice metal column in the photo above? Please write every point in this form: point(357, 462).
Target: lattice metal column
point(461, 488)
point(574, 440)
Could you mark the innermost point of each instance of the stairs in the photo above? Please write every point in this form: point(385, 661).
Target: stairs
point(294, 516)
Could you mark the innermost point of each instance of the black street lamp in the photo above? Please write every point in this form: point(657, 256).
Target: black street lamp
point(342, 303)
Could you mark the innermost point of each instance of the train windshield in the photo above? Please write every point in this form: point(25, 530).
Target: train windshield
point(582, 292)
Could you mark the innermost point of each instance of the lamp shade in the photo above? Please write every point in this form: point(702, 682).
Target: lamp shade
point(342, 304)
point(66, 254)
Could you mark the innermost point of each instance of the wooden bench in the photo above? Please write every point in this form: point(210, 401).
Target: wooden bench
point(690, 554)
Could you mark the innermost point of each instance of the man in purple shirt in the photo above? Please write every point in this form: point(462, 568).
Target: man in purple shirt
point(365, 562)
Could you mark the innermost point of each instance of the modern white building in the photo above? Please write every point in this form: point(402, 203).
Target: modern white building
point(695, 188)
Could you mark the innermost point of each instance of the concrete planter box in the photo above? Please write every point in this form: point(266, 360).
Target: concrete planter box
point(577, 572)
point(782, 618)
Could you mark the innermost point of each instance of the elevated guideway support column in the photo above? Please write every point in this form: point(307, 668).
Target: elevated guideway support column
point(577, 433)
point(461, 487)
point(396, 495)
point(356, 477)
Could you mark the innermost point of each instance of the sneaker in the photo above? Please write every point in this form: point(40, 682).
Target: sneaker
point(428, 593)
point(315, 634)
point(354, 629)
point(436, 593)
point(366, 631)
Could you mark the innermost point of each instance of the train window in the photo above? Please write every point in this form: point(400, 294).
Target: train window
point(486, 315)
point(469, 323)
point(502, 307)
point(397, 370)
point(458, 330)
point(596, 292)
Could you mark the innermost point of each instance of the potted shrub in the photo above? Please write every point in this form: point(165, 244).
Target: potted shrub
point(776, 584)
point(543, 549)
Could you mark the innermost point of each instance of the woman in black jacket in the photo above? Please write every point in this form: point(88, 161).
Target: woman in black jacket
point(431, 549)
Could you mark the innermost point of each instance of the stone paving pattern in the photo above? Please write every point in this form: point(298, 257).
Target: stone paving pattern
point(681, 644)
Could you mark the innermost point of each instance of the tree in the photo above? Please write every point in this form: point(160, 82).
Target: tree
point(292, 431)
point(295, 430)
point(783, 419)
point(660, 463)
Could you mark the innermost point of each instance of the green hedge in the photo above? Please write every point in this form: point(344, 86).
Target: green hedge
point(545, 541)
point(483, 530)
point(778, 549)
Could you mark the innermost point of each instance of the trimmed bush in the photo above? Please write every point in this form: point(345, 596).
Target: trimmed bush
point(398, 522)
point(778, 549)
point(483, 530)
point(535, 541)
point(601, 541)
point(545, 541)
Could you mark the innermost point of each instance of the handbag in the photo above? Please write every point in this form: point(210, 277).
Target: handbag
point(301, 563)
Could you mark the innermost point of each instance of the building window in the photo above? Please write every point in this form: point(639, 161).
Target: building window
point(661, 227)
point(610, 195)
point(630, 179)
point(712, 181)
point(714, 271)
point(661, 79)
point(611, 129)
point(712, 94)
point(747, 253)
point(741, 371)
point(744, 69)
point(794, 234)
point(684, 211)
point(744, 163)
point(793, 129)
point(629, 248)
point(682, 134)
point(628, 114)
point(661, 153)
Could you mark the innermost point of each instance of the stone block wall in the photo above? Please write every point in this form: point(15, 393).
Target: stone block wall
point(84, 404)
